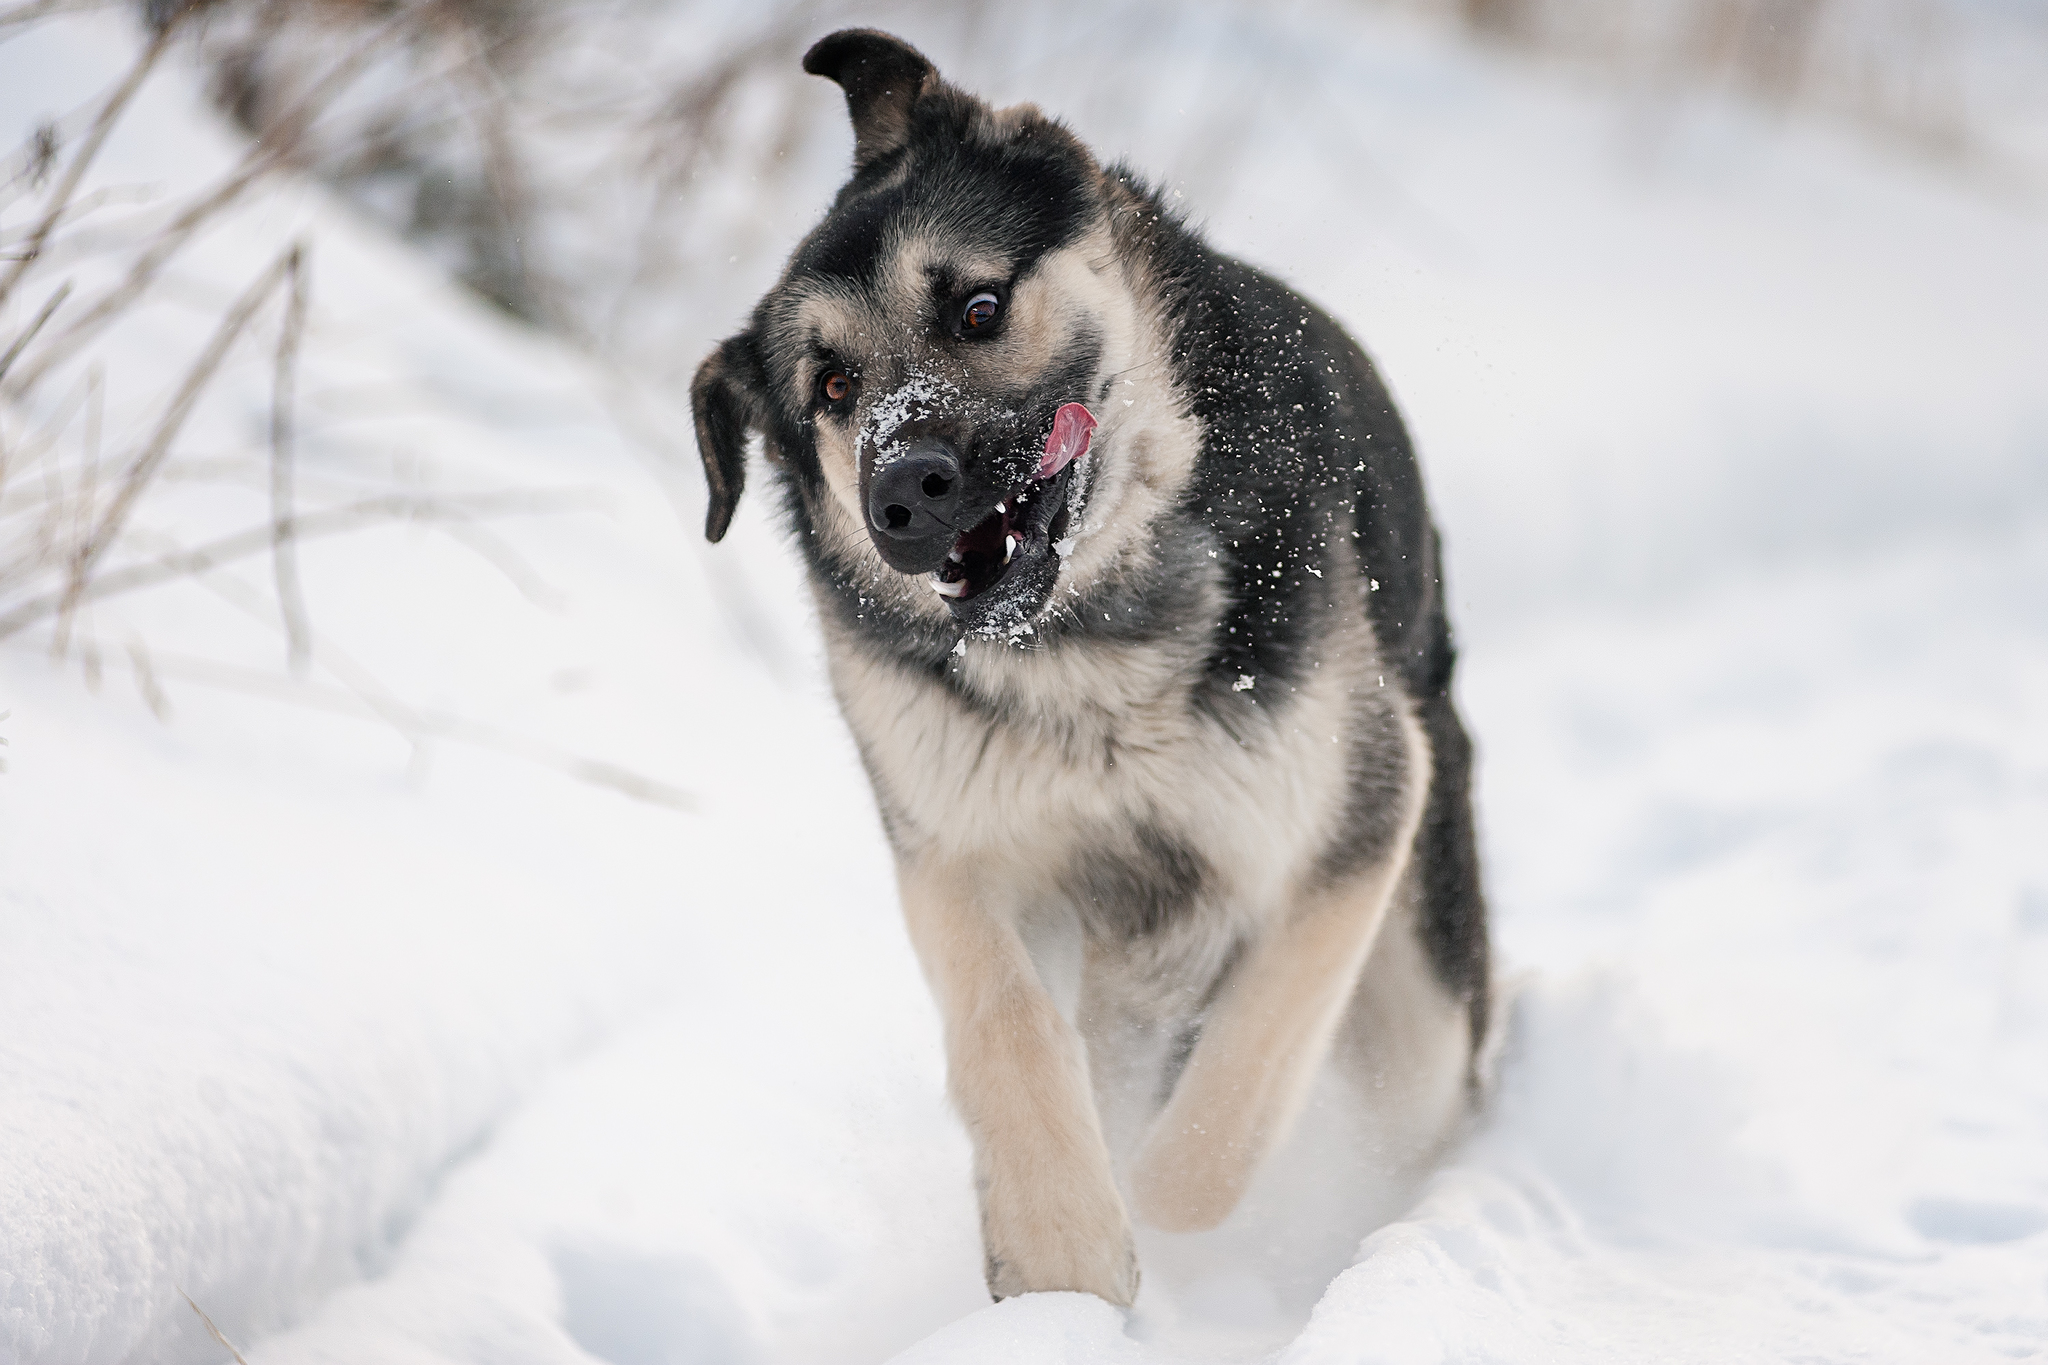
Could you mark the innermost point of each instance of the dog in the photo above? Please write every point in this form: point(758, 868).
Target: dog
point(1132, 602)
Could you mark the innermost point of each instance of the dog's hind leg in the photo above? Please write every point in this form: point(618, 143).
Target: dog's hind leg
point(1266, 1037)
point(1051, 1216)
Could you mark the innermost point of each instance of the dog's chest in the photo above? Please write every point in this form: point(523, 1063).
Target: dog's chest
point(1094, 777)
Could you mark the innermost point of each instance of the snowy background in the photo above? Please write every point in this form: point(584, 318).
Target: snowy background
point(468, 937)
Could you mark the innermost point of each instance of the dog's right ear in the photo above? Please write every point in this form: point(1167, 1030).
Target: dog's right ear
point(882, 76)
point(726, 401)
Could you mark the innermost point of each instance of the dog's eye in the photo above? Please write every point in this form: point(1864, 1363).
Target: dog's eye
point(981, 311)
point(835, 386)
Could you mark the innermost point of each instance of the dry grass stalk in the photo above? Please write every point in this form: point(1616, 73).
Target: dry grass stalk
point(492, 131)
point(227, 549)
point(683, 137)
point(275, 151)
point(284, 555)
point(212, 1330)
point(59, 533)
point(361, 698)
point(95, 138)
point(38, 9)
point(144, 469)
point(1888, 67)
point(64, 525)
point(146, 682)
point(43, 316)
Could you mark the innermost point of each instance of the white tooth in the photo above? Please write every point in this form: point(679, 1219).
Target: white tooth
point(1009, 547)
point(1001, 508)
point(954, 555)
point(945, 589)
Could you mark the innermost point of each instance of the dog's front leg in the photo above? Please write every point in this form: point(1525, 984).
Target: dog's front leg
point(1268, 1033)
point(1051, 1217)
point(1250, 1071)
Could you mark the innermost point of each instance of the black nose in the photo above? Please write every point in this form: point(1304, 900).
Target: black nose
point(915, 496)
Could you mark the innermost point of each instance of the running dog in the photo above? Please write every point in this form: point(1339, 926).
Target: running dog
point(1134, 607)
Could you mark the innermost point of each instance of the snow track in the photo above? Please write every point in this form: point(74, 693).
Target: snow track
point(419, 1049)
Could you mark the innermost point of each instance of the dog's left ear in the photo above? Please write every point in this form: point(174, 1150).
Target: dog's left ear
point(726, 401)
point(882, 76)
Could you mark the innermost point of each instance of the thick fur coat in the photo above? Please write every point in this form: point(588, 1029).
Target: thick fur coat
point(1162, 737)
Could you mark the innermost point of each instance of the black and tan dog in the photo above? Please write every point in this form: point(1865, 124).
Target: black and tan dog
point(1134, 607)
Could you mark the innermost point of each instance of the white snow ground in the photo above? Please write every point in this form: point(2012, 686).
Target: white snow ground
point(424, 1052)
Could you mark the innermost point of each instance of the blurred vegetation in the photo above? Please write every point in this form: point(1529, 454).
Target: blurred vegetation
point(593, 165)
point(1890, 67)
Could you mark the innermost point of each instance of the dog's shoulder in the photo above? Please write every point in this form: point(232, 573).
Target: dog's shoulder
point(1306, 466)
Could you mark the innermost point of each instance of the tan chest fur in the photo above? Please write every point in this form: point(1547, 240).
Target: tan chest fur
point(1058, 751)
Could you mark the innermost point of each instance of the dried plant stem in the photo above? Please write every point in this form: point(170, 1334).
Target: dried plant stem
point(213, 1331)
point(85, 500)
point(20, 343)
point(280, 142)
point(146, 680)
point(495, 551)
point(639, 419)
point(284, 555)
point(37, 9)
point(81, 161)
point(361, 697)
point(241, 545)
point(688, 119)
point(420, 725)
point(503, 174)
point(146, 464)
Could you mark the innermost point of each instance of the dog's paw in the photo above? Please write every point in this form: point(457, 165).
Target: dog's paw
point(1186, 1180)
point(1069, 1239)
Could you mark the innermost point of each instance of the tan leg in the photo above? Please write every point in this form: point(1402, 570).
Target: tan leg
point(1264, 1041)
point(1051, 1216)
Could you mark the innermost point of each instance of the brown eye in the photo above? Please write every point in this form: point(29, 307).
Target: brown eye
point(981, 311)
point(836, 386)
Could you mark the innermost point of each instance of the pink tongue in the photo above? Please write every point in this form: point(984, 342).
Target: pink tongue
point(1071, 427)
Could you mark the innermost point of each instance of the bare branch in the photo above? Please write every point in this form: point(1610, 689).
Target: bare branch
point(95, 138)
point(146, 680)
point(494, 551)
point(151, 459)
point(34, 10)
point(362, 698)
point(243, 544)
point(56, 301)
point(215, 1332)
point(38, 442)
point(280, 143)
point(284, 557)
point(86, 503)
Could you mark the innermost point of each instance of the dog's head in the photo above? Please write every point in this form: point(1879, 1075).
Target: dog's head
point(932, 364)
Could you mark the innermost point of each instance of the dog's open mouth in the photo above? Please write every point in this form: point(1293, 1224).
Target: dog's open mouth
point(1012, 548)
point(1021, 529)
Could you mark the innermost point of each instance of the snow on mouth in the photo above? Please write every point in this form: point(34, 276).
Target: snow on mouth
point(1026, 522)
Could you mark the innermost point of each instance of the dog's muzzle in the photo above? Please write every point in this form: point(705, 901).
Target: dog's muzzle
point(987, 546)
point(914, 505)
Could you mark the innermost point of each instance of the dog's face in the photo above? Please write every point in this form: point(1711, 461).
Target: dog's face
point(931, 364)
